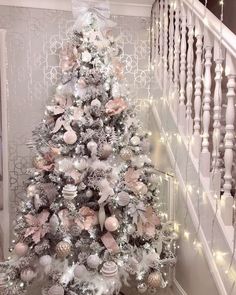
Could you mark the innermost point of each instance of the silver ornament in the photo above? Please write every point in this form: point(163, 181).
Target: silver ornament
point(135, 140)
point(126, 154)
point(93, 261)
point(123, 198)
point(96, 103)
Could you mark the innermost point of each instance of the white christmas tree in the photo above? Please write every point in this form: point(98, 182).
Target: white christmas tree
point(90, 219)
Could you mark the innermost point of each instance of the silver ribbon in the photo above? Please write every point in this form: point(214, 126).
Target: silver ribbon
point(85, 11)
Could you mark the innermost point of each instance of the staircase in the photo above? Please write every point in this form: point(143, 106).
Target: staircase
point(193, 58)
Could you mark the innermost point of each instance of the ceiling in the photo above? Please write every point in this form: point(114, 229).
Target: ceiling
point(118, 7)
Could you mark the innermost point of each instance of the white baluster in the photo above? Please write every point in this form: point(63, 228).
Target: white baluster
point(165, 58)
point(216, 174)
point(205, 154)
point(161, 42)
point(176, 58)
point(227, 199)
point(157, 25)
point(196, 147)
point(182, 107)
point(171, 44)
point(189, 88)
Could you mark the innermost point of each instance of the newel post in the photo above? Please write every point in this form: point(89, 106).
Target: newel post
point(227, 198)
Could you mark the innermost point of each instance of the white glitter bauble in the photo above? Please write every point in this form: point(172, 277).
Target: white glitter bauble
point(86, 56)
point(123, 198)
point(56, 290)
point(135, 140)
point(93, 261)
point(69, 192)
point(109, 269)
point(45, 260)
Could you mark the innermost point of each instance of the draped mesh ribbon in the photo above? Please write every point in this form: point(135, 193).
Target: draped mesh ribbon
point(85, 10)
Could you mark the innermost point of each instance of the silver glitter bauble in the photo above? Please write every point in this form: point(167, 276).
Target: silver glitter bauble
point(126, 154)
point(27, 275)
point(123, 199)
point(142, 288)
point(135, 140)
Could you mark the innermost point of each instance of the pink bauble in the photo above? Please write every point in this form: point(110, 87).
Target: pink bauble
point(21, 249)
point(27, 275)
point(80, 270)
point(111, 224)
point(56, 290)
point(70, 137)
point(109, 269)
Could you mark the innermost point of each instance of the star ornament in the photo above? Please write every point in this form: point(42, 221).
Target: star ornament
point(37, 225)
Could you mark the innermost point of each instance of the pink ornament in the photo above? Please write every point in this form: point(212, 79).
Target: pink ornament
point(70, 137)
point(56, 290)
point(21, 249)
point(27, 275)
point(111, 224)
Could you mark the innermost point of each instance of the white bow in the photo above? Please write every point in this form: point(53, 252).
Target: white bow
point(85, 10)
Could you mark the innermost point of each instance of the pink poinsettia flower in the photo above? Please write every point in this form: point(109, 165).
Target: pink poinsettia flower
point(131, 177)
point(38, 226)
point(115, 106)
point(67, 58)
point(88, 218)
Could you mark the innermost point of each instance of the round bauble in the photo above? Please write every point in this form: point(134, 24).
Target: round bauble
point(96, 103)
point(69, 192)
point(80, 270)
point(135, 140)
point(93, 261)
point(140, 188)
point(21, 249)
point(105, 151)
point(81, 164)
point(154, 280)
point(131, 229)
point(39, 162)
point(70, 137)
point(32, 190)
point(109, 269)
point(56, 290)
point(45, 260)
point(63, 249)
point(111, 224)
point(89, 193)
point(27, 275)
point(123, 199)
point(126, 154)
point(142, 288)
point(75, 230)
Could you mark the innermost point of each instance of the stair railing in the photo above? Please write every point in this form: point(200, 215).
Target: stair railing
point(195, 64)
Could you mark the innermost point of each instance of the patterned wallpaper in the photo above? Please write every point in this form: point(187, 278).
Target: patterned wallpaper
point(34, 37)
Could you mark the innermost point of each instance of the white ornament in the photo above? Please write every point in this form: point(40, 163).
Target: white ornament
point(69, 191)
point(56, 290)
point(86, 56)
point(92, 146)
point(45, 260)
point(93, 261)
point(80, 271)
point(135, 140)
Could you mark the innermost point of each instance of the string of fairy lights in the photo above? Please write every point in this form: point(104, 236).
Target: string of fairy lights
point(167, 138)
